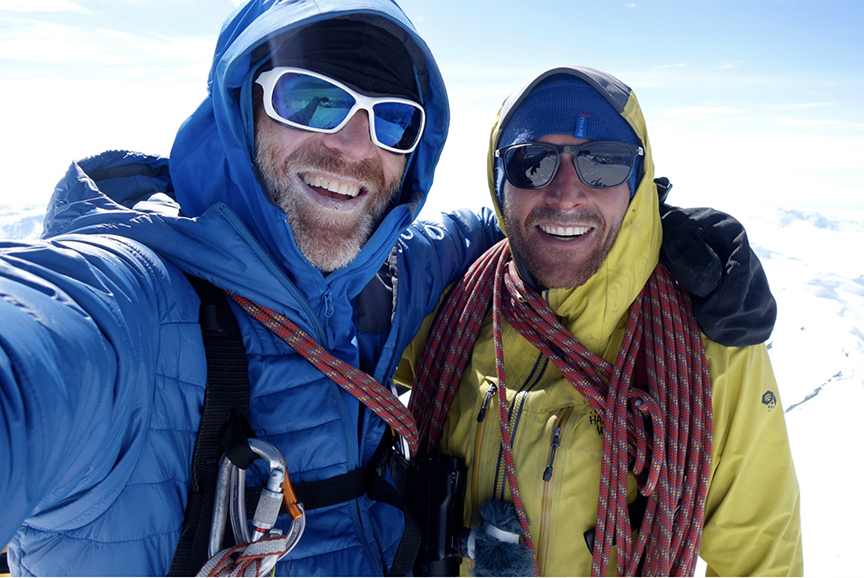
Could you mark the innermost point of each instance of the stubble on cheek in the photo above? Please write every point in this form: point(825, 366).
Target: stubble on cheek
point(329, 238)
point(560, 268)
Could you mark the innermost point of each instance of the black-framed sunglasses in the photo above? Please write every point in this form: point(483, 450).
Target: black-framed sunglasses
point(600, 164)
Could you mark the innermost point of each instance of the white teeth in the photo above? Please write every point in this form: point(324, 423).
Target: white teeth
point(332, 185)
point(559, 231)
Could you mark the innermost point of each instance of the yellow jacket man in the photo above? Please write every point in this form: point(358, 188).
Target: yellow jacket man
point(576, 377)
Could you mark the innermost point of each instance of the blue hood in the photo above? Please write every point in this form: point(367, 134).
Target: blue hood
point(226, 230)
point(211, 161)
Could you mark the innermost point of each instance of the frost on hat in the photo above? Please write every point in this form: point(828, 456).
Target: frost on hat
point(565, 104)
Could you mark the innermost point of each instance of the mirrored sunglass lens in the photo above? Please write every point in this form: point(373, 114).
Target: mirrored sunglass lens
point(397, 124)
point(604, 165)
point(530, 166)
point(310, 101)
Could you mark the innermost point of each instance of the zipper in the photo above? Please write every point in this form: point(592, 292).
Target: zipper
point(556, 443)
point(481, 416)
point(533, 379)
point(548, 485)
point(478, 448)
point(268, 261)
point(328, 305)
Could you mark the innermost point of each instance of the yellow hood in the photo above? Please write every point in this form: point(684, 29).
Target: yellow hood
point(612, 290)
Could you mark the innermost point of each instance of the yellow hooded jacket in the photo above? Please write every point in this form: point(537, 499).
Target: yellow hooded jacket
point(752, 520)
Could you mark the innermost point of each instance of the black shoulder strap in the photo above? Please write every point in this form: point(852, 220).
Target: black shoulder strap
point(227, 390)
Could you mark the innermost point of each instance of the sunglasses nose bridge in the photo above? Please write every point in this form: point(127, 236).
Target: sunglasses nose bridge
point(567, 169)
point(566, 190)
point(354, 139)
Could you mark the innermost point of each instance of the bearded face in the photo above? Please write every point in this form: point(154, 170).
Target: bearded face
point(333, 188)
point(563, 232)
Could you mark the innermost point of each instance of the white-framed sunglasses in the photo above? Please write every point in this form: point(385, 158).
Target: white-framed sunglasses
point(311, 101)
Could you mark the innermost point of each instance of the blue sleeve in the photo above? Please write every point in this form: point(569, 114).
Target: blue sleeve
point(436, 253)
point(79, 325)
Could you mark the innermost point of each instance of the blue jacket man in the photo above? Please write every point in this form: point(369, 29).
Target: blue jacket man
point(101, 361)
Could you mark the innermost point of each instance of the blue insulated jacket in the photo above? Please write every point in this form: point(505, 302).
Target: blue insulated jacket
point(102, 367)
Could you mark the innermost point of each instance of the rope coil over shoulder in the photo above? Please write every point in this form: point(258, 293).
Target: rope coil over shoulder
point(662, 436)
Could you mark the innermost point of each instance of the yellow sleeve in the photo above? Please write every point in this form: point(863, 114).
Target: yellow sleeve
point(407, 368)
point(752, 514)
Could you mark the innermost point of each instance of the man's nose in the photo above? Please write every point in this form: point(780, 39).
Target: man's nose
point(354, 139)
point(566, 191)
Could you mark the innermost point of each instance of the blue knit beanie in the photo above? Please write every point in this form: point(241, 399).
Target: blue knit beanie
point(565, 104)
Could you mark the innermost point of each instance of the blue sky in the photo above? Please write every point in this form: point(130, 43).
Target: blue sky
point(755, 101)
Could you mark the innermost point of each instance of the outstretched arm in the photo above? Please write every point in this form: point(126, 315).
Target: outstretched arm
point(77, 320)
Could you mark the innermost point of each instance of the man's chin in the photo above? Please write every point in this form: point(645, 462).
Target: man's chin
point(329, 244)
point(328, 256)
point(556, 280)
point(558, 269)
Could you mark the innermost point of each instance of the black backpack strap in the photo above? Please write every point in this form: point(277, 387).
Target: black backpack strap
point(227, 390)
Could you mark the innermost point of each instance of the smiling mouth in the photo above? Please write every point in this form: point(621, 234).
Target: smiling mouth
point(564, 233)
point(332, 187)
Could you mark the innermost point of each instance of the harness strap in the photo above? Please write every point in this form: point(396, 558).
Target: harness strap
point(324, 493)
point(227, 390)
point(225, 415)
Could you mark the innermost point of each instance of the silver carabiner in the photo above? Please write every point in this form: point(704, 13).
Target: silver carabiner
point(400, 444)
point(230, 498)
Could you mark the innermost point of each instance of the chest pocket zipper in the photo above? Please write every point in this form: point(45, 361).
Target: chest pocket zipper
point(478, 447)
point(548, 485)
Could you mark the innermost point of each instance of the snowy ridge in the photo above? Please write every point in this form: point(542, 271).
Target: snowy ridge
point(815, 266)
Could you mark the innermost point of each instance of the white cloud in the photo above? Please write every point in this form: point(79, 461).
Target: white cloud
point(46, 42)
point(630, 5)
point(693, 113)
point(730, 64)
point(42, 6)
point(803, 105)
point(798, 121)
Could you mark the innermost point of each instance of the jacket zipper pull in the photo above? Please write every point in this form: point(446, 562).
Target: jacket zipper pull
point(328, 305)
point(556, 441)
point(482, 415)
